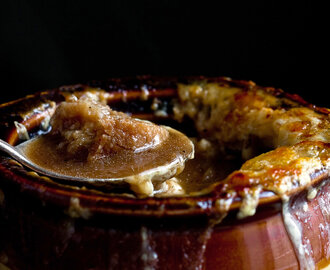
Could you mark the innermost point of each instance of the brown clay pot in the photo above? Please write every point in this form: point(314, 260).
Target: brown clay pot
point(46, 224)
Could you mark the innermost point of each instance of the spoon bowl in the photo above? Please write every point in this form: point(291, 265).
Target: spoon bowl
point(18, 155)
point(169, 166)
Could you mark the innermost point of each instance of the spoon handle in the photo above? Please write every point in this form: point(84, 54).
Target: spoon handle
point(14, 153)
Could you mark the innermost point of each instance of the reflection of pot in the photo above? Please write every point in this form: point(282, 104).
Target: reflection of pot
point(47, 224)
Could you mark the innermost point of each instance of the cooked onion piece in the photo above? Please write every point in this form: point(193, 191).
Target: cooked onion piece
point(91, 131)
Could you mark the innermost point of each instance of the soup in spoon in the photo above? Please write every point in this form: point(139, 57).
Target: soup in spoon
point(90, 140)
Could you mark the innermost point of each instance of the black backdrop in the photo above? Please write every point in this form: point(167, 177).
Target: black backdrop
point(45, 44)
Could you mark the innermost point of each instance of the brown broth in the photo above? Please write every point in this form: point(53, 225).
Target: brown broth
point(43, 151)
point(205, 170)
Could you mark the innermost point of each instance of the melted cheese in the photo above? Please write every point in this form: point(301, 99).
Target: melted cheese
point(232, 116)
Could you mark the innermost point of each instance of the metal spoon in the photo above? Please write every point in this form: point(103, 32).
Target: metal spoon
point(165, 171)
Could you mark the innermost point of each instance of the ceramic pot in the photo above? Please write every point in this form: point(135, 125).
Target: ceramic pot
point(48, 224)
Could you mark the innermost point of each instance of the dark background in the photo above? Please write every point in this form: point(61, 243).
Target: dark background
point(45, 44)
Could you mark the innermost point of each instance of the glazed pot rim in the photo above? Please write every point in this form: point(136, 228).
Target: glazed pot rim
point(110, 203)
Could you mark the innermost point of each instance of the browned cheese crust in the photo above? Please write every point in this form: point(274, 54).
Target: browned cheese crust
point(235, 119)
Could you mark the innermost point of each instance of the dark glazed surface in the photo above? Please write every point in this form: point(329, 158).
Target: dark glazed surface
point(38, 236)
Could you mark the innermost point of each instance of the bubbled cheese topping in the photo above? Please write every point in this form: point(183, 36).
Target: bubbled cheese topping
point(243, 119)
point(233, 117)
